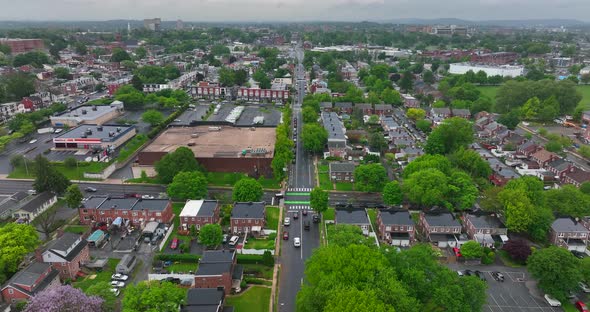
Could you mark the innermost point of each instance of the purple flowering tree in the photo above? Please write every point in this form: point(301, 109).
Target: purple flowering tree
point(64, 298)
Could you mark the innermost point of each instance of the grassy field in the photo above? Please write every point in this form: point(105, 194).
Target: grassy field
point(585, 91)
point(229, 179)
point(104, 276)
point(183, 267)
point(323, 168)
point(260, 243)
point(490, 91)
point(507, 260)
point(259, 270)
point(176, 209)
point(325, 182)
point(330, 214)
point(76, 173)
point(272, 217)
point(373, 218)
point(270, 183)
point(254, 299)
point(76, 229)
point(344, 186)
point(131, 147)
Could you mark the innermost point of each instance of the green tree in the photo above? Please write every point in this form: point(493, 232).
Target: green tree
point(569, 200)
point(18, 85)
point(47, 178)
point(557, 270)
point(424, 125)
point(247, 190)
point(352, 299)
point(390, 96)
point(140, 53)
point(268, 259)
point(318, 200)
point(73, 196)
point(471, 250)
point(370, 178)
point(585, 188)
point(153, 296)
point(153, 117)
point(130, 65)
point(428, 187)
point(314, 137)
point(226, 77)
point(62, 72)
point(103, 290)
point(70, 162)
point(211, 235)
point(416, 113)
point(469, 161)
point(428, 77)
point(16, 240)
point(132, 98)
point(377, 141)
point(309, 115)
point(119, 55)
point(80, 48)
point(406, 83)
point(427, 161)
point(183, 159)
point(188, 185)
point(392, 194)
point(452, 134)
point(462, 191)
point(262, 79)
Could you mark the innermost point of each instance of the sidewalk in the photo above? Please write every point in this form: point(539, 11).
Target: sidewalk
point(275, 273)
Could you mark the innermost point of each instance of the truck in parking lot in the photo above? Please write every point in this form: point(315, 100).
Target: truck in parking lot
point(44, 130)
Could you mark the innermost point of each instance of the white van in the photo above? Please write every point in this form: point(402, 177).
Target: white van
point(234, 240)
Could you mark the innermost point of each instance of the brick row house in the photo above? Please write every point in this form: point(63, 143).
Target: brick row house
point(341, 172)
point(396, 227)
point(26, 283)
point(485, 229)
point(356, 217)
point(66, 254)
point(137, 211)
point(570, 234)
point(248, 217)
point(440, 227)
point(218, 270)
point(199, 213)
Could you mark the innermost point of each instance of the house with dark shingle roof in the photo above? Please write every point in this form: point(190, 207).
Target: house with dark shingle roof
point(527, 148)
point(203, 300)
point(357, 217)
point(342, 172)
point(559, 167)
point(29, 210)
point(576, 176)
point(326, 106)
point(383, 109)
point(440, 112)
point(29, 281)
point(461, 112)
point(199, 213)
point(542, 157)
point(218, 268)
point(248, 217)
point(569, 233)
point(343, 107)
point(440, 228)
point(396, 227)
point(366, 108)
point(66, 254)
point(485, 229)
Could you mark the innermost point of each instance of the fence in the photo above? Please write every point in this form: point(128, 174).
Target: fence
point(165, 239)
point(104, 174)
point(254, 251)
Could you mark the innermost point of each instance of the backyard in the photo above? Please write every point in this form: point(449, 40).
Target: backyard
point(272, 217)
point(373, 218)
point(344, 186)
point(254, 299)
point(102, 276)
point(183, 267)
point(76, 229)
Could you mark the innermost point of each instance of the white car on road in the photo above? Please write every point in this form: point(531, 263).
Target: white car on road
point(287, 221)
point(297, 242)
point(552, 301)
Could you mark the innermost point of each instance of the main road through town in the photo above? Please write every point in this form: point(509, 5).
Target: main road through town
point(301, 181)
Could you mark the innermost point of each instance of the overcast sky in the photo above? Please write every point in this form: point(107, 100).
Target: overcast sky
point(291, 10)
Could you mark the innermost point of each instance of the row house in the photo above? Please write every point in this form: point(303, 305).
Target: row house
point(205, 300)
point(570, 234)
point(461, 112)
point(366, 108)
point(342, 172)
point(543, 157)
point(440, 112)
point(248, 217)
point(527, 148)
point(512, 138)
point(485, 229)
point(383, 109)
point(73, 86)
point(336, 134)
point(410, 101)
point(8, 110)
point(28, 282)
point(396, 227)
point(399, 135)
point(199, 213)
point(218, 270)
point(326, 106)
point(262, 94)
point(31, 103)
point(356, 217)
point(440, 228)
point(343, 107)
point(136, 211)
point(576, 176)
point(388, 124)
point(66, 254)
point(559, 167)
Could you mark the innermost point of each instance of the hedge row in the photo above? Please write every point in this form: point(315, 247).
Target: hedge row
point(250, 259)
point(156, 130)
point(178, 257)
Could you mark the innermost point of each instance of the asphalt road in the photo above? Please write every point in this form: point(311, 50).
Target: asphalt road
point(297, 198)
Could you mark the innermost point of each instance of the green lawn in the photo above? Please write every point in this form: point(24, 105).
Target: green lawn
point(489, 91)
point(344, 186)
point(183, 267)
point(585, 91)
point(259, 270)
point(104, 276)
point(224, 178)
point(148, 180)
point(325, 182)
point(269, 183)
point(568, 307)
point(76, 173)
point(176, 209)
point(131, 146)
point(330, 214)
point(76, 229)
point(260, 244)
point(254, 299)
point(272, 217)
point(323, 168)
point(373, 218)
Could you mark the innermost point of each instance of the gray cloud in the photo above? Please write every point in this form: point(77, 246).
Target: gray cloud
point(291, 10)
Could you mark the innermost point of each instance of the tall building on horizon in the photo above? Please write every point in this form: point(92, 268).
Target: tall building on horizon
point(179, 24)
point(153, 24)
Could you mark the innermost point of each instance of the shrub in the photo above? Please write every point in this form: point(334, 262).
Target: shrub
point(250, 259)
point(268, 259)
point(488, 258)
point(178, 257)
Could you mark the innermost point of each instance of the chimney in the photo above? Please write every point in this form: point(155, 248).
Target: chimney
point(39, 254)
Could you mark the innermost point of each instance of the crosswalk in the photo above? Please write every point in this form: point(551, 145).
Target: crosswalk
point(299, 207)
point(299, 189)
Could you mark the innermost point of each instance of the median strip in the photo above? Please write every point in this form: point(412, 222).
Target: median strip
point(296, 202)
point(297, 194)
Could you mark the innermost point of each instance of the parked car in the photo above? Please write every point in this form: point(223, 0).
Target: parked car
point(460, 273)
point(581, 306)
point(457, 251)
point(304, 212)
point(584, 287)
point(117, 284)
point(481, 275)
point(234, 240)
point(287, 221)
point(316, 218)
point(498, 276)
point(297, 242)
point(33, 141)
point(285, 235)
point(306, 225)
point(552, 301)
point(174, 243)
point(468, 272)
point(115, 291)
point(578, 254)
point(295, 215)
point(224, 239)
point(90, 189)
point(119, 277)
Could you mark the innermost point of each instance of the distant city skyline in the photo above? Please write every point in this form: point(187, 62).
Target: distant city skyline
point(292, 10)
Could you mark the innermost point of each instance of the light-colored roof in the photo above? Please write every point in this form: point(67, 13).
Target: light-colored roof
point(191, 208)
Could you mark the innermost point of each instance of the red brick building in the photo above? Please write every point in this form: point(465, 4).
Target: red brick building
point(199, 213)
point(218, 269)
point(396, 227)
point(66, 254)
point(136, 210)
point(248, 217)
point(29, 281)
point(22, 45)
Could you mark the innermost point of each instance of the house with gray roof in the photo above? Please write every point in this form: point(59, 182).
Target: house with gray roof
point(342, 172)
point(204, 300)
point(66, 254)
point(570, 234)
point(28, 210)
point(31, 280)
point(218, 268)
point(396, 227)
point(326, 106)
point(336, 134)
point(8, 204)
point(486, 229)
point(248, 217)
point(383, 109)
point(357, 217)
point(366, 108)
point(559, 167)
point(440, 228)
point(343, 107)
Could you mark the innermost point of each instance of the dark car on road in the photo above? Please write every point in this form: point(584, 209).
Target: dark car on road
point(306, 225)
point(295, 215)
point(285, 235)
point(316, 218)
point(481, 275)
point(498, 276)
